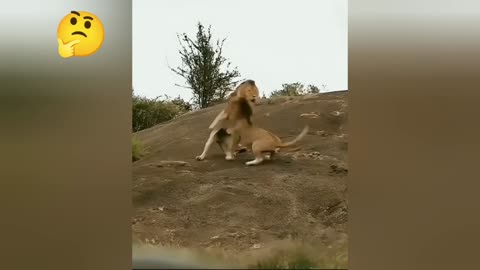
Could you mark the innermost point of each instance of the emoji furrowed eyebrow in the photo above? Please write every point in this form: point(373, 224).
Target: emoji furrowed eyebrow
point(75, 12)
point(88, 17)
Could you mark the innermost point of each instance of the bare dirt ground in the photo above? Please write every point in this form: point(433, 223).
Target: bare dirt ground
point(299, 197)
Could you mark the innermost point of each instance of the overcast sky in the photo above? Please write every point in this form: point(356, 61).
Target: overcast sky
point(270, 41)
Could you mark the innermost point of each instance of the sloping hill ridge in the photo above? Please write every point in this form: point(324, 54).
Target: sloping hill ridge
point(299, 196)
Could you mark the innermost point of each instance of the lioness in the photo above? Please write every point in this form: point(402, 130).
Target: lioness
point(261, 142)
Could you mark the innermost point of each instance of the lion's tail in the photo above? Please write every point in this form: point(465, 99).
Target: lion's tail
point(298, 138)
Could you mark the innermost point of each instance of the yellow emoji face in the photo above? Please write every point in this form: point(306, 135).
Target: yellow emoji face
point(80, 33)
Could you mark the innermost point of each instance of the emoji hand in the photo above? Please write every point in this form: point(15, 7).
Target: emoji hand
point(66, 50)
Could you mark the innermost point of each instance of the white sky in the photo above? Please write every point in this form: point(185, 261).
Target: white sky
point(270, 41)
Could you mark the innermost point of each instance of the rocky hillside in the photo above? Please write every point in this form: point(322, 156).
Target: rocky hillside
point(298, 198)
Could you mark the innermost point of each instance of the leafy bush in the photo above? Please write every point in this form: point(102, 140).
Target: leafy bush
point(289, 89)
point(296, 261)
point(138, 150)
point(296, 89)
point(321, 258)
point(148, 112)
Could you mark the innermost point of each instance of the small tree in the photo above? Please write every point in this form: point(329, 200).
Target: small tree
point(202, 68)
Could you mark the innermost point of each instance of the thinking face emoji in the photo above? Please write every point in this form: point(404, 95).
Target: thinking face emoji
point(79, 34)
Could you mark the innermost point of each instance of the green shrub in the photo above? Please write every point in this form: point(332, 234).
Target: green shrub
point(296, 89)
point(148, 112)
point(138, 150)
point(289, 89)
point(286, 261)
point(313, 257)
